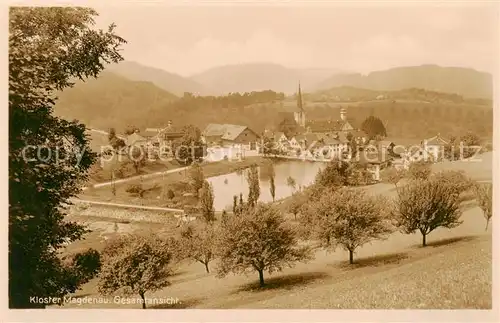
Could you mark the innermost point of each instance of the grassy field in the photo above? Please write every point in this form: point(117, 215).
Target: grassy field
point(453, 271)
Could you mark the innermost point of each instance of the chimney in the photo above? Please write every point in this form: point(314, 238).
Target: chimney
point(169, 124)
point(342, 114)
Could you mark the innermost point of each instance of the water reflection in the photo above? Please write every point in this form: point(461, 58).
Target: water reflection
point(228, 185)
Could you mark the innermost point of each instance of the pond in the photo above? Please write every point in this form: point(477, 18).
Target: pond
point(228, 185)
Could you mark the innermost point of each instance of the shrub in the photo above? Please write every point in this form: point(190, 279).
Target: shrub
point(170, 194)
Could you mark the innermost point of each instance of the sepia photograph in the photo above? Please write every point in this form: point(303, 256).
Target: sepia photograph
point(251, 156)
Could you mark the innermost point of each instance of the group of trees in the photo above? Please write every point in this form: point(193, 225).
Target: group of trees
point(258, 238)
point(464, 146)
point(235, 99)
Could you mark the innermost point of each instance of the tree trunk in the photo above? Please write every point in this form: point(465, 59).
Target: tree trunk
point(423, 240)
point(351, 257)
point(261, 278)
point(143, 301)
point(206, 268)
point(487, 223)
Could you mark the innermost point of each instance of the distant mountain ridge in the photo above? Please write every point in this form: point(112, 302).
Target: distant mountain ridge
point(260, 77)
point(111, 100)
point(249, 77)
point(167, 81)
point(456, 80)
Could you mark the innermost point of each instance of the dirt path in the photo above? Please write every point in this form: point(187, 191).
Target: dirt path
point(133, 178)
point(128, 206)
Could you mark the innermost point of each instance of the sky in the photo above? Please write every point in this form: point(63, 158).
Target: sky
point(357, 38)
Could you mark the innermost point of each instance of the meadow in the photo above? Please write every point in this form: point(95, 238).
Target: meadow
point(453, 271)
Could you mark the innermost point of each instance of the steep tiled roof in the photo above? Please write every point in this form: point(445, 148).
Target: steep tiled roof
point(327, 125)
point(436, 140)
point(278, 135)
point(225, 131)
point(135, 138)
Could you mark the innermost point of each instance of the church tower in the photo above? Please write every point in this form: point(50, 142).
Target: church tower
point(300, 114)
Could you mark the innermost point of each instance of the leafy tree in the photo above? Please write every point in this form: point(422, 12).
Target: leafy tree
point(242, 203)
point(117, 143)
point(223, 217)
point(196, 178)
point(137, 157)
point(253, 185)
point(296, 203)
point(349, 218)
point(471, 143)
point(235, 204)
point(130, 130)
point(358, 174)
point(457, 180)
point(111, 134)
point(272, 184)
point(136, 264)
point(288, 126)
point(88, 264)
point(170, 194)
point(207, 201)
point(425, 205)
point(451, 149)
point(484, 195)
point(269, 147)
point(258, 240)
point(373, 127)
point(420, 170)
point(394, 175)
point(189, 148)
point(335, 174)
point(48, 48)
point(290, 181)
point(353, 145)
point(199, 244)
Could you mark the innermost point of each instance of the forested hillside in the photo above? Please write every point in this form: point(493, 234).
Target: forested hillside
point(113, 101)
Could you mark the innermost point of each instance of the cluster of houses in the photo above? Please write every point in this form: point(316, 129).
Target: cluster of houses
point(155, 138)
point(317, 140)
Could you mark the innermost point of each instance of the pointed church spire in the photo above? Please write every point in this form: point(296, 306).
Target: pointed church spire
point(299, 99)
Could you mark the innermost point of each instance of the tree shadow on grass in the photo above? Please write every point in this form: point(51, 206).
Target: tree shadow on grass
point(373, 261)
point(283, 282)
point(182, 304)
point(445, 242)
